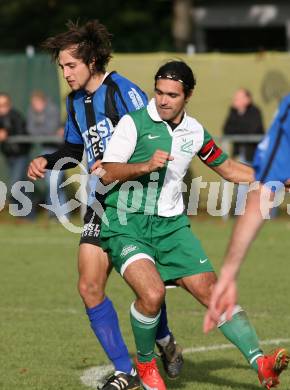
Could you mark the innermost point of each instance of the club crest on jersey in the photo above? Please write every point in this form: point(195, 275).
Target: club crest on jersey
point(186, 146)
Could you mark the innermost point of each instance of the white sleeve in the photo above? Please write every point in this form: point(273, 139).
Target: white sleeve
point(123, 142)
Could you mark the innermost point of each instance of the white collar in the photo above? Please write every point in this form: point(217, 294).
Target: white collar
point(105, 76)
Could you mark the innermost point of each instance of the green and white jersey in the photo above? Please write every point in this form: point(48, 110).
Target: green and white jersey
point(137, 136)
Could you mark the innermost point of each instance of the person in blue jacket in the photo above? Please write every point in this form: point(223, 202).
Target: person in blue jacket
point(97, 101)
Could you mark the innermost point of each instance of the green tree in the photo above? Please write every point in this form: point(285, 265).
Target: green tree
point(136, 25)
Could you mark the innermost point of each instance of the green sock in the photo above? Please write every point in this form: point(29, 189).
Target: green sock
point(144, 330)
point(243, 335)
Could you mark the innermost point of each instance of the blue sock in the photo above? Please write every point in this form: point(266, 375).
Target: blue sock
point(162, 330)
point(105, 324)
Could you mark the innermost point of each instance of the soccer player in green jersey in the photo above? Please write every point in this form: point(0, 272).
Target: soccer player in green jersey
point(146, 232)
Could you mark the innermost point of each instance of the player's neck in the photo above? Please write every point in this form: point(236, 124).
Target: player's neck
point(95, 82)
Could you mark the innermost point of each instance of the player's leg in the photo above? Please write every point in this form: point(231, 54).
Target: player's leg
point(189, 258)
point(93, 272)
point(170, 351)
point(94, 268)
point(133, 258)
point(145, 315)
point(240, 332)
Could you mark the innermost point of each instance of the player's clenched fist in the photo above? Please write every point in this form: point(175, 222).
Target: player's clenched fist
point(158, 160)
point(36, 169)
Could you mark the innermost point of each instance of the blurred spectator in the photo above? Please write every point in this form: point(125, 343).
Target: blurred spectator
point(244, 118)
point(43, 119)
point(15, 154)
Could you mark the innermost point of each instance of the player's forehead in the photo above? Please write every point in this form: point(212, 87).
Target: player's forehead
point(67, 56)
point(169, 86)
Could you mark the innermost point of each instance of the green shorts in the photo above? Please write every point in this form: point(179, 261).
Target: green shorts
point(167, 241)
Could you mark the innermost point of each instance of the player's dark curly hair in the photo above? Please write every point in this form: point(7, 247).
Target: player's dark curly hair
point(92, 43)
point(178, 71)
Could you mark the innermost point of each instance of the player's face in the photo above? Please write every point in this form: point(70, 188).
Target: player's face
point(75, 71)
point(170, 100)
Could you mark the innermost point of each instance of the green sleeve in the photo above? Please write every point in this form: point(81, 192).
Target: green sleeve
point(210, 153)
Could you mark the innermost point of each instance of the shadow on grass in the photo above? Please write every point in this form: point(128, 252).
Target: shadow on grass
point(204, 373)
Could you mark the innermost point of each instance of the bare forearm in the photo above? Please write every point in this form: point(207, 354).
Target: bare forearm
point(123, 171)
point(235, 172)
point(244, 233)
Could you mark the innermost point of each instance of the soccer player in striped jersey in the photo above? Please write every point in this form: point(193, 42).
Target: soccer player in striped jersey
point(147, 234)
point(97, 101)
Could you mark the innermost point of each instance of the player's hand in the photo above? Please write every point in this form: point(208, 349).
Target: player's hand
point(223, 300)
point(97, 169)
point(158, 160)
point(36, 169)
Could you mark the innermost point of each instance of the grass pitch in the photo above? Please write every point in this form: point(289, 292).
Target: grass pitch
point(45, 339)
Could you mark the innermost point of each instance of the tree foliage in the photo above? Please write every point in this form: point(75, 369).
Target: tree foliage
point(136, 25)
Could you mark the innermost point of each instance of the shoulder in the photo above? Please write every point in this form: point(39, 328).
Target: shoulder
point(125, 127)
point(139, 113)
point(75, 95)
point(125, 84)
point(254, 109)
point(193, 124)
point(121, 80)
point(283, 111)
point(285, 102)
point(126, 121)
point(73, 98)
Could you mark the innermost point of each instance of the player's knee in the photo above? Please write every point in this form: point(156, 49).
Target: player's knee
point(91, 290)
point(153, 299)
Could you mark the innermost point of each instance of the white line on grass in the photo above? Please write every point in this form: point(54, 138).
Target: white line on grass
point(94, 377)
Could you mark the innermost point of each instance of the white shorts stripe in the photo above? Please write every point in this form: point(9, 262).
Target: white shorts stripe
point(138, 256)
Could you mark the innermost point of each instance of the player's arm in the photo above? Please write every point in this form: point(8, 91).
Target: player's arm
point(67, 150)
point(124, 171)
point(39, 165)
point(235, 172)
point(224, 295)
point(213, 156)
point(119, 150)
